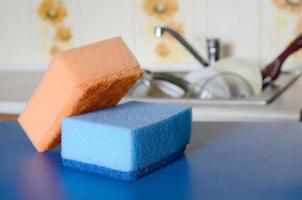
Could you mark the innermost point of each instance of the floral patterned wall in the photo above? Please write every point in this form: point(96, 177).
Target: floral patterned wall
point(164, 13)
point(34, 30)
point(56, 32)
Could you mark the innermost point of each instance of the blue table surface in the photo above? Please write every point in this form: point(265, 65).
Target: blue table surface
point(223, 161)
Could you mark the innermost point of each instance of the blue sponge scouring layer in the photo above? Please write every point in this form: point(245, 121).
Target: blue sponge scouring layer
point(127, 141)
point(127, 176)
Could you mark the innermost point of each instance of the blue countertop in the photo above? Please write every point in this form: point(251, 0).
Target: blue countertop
point(223, 161)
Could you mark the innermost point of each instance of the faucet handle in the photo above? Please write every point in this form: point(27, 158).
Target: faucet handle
point(213, 48)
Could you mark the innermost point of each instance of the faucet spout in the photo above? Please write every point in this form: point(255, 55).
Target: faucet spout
point(159, 31)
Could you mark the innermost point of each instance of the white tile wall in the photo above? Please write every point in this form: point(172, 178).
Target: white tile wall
point(235, 22)
point(15, 34)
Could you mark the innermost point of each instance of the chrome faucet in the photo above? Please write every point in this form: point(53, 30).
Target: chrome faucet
point(159, 31)
point(212, 45)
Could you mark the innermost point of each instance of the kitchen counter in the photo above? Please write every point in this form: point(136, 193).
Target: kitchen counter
point(286, 107)
point(223, 161)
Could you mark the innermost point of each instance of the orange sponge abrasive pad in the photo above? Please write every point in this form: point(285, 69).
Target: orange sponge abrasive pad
point(77, 81)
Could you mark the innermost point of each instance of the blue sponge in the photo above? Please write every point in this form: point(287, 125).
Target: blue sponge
point(127, 141)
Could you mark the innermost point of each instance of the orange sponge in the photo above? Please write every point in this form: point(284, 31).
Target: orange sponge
point(78, 81)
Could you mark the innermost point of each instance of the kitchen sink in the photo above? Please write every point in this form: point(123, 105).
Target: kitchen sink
point(272, 92)
point(18, 86)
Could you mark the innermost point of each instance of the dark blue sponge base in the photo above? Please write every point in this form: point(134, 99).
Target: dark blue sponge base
point(127, 176)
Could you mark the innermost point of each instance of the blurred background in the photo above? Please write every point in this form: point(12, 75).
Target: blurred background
point(242, 37)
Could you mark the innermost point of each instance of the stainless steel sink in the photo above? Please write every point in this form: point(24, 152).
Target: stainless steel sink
point(18, 86)
point(285, 80)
